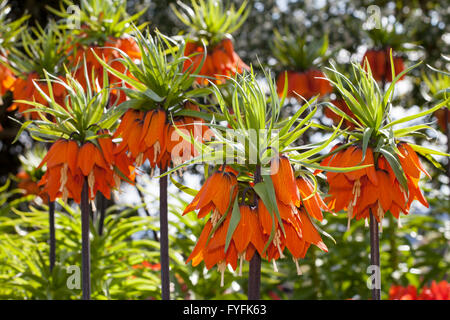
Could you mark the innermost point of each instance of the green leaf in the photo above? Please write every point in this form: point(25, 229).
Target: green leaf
point(418, 115)
point(366, 138)
point(395, 165)
point(234, 221)
point(183, 188)
point(424, 150)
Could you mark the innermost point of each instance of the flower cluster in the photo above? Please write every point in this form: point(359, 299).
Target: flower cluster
point(375, 188)
point(110, 54)
point(306, 84)
point(69, 164)
point(25, 89)
point(257, 229)
point(380, 64)
point(220, 62)
point(150, 135)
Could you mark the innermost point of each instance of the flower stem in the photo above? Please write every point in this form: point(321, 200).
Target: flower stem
point(375, 254)
point(51, 223)
point(254, 277)
point(164, 238)
point(85, 247)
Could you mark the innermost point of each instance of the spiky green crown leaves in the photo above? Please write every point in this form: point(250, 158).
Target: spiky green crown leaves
point(210, 20)
point(438, 83)
point(93, 22)
point(9, 30)
point(253, 114)
point(42, 50)
point(371, 109)
point(295, 51)
point(158, 80)
point(80, 117)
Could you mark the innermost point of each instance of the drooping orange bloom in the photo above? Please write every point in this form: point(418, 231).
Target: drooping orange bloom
point(246, 239)
point(110, 55)
point(215, 195)
point(443, 118)
point(380, 64)
point(283, 180)
point(30, 186)
point(306, 84)
point(373, 189)
point(342, 105)
point(221, 61)
point(24, 89)
point(300, 232)
point(68, 165)
point(7, 78)
point(296, 201)
point(149, 135)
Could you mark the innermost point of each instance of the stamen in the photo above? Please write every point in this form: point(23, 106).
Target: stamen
point(277, 243)
point(275, 268)
point(405, 195)
point(65, 195)
point(63, 179)
point(349, 214)
point(294, 209)
point(91, 182)
point(241, 261)
point(399, 223)
point(366, 223)
point(215, 217)
point(356, 191)
point(299, 272)
point(140, 159)
point(380, 211)
point(156, 150)
point(94, 208)
point(221, 266)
